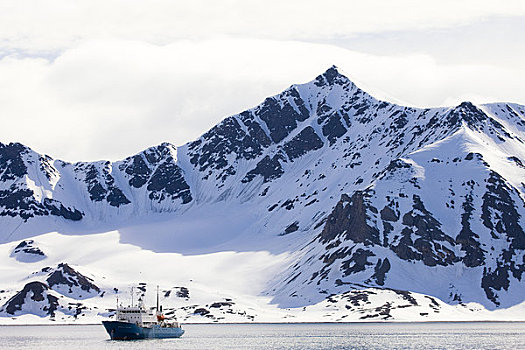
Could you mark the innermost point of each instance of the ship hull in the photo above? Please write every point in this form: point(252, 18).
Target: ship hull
point(130, 331)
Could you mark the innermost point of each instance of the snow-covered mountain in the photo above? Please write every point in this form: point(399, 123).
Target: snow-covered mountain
point(321, 203)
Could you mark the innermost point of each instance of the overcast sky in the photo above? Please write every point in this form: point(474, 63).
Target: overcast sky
point(104, 79)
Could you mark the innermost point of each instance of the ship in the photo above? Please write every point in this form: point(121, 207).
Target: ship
point(138, 322)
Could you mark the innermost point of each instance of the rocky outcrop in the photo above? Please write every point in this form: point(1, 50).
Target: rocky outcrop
point(65, 280)
point(307, 140)
point(33, 298)
point(348, 221)
point(422, 238)
point(501, 217)
point(469, 241)
point(28, 251)
point(268, 168)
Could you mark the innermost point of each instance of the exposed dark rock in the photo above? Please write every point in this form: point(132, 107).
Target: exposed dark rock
point(38, 292)
point(78, 309)
point(220, 304)
point(168, 182)
point(268, 168)
point(306, 141)
point(357, 298)
point(333, 128)
point(349, 217)
point(96, 191)
point(280, 116)
point(330, 257)
point(498, 198)
point(357, 262)
point(499, 215)
point(101, 184)
point(201, 312)
point(406, 295)
point(58, 209)
point(331, 77)
point(223, 139)
point(516, 161)
point(396, 164)
point(273, 207)
point(311, 202)
point(140, 167)
point(467, 239)
point(400, 121)
point(24, 244)
point(255, 130)
point(387, 228)
point(138, 170)
point(471, 156)
point(12, 165)
point(21, 202)
point(182, 292)
point(116, 198)
point(28, 247)
point(288, 204)
point(291, 228)
point(382, 312)
point(389, 214)
point(380, 271)
point(467, 112)
point(476, 119)
point(427, 231)
point(495, 279)
point(64, 275)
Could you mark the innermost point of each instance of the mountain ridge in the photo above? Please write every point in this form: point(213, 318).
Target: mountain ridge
point(356, 192)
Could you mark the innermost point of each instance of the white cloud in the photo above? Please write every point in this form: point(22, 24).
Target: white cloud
point(106, 99)
point(35, 25)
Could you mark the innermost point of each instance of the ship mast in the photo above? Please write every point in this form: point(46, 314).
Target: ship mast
point(131, 296)
point(157, 298)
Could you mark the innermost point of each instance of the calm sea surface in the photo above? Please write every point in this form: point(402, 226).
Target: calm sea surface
point(482, 335)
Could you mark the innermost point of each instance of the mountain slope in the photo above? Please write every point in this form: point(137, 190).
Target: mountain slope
point(345, 192)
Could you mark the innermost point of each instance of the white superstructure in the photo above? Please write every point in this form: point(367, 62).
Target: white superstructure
point(142, 316)
point(137, 314)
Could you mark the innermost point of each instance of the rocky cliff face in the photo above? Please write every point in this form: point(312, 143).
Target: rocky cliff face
point(376, 195)
point(52, 290)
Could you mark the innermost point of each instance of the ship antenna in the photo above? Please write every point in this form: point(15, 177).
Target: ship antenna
point(157, 298)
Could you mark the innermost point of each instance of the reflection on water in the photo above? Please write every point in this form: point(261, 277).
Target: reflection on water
point(475, 335)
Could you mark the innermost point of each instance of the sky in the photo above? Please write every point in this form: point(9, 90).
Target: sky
point(105, 79)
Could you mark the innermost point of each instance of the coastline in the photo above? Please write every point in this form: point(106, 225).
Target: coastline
point(274, 323)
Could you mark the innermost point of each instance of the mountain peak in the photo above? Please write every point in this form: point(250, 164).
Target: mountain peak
point(468, 112)
point(467, 106)
point(333, 69)
point(331, 76)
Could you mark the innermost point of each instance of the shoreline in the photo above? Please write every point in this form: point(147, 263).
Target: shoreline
point(273, 323)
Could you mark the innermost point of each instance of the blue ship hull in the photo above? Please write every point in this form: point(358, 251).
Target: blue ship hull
point(129, 331)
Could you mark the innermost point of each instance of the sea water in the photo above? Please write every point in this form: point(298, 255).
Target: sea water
point(444, 335)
